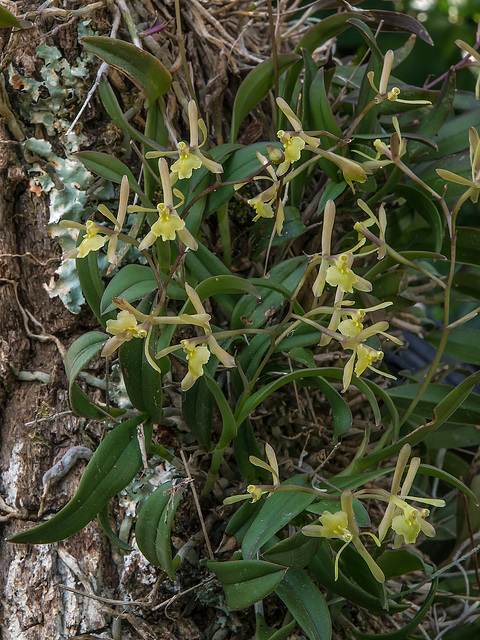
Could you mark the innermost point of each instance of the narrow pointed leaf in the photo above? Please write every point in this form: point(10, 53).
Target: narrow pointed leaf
point(7, 19)
point(143, 69)
point(113, 466)
point(111, 169)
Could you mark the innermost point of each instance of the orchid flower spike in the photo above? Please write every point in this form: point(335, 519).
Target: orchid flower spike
point(363, 355)
point(328, 221)
point(123, 329)
point(473, 184)
point(378, 244)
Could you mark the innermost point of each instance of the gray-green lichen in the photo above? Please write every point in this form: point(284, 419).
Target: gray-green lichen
point(53, 102)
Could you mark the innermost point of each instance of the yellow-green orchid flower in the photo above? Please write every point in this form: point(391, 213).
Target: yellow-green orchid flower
point(405, 520)
point(363, 355)
point(169, 223)
point(131, 323)
point(197, 357)
point(265, 202)
point(293, 142)
point(341, 275)
point(342, 525)
point(123, 329)
point(473, 191)
point(189, 155)
point(409, 523)
point(382, 92)
point(93, 240)
point(97, 235)
point(255, 492)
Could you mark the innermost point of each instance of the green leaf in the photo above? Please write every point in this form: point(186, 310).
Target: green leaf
point(398, 562)
point(294, 553)
point(323, 569)
point(238, 163)
point(355, 566)
point(246, 581)
point(7, 19)
point(327, 28)
point(428, 470)
point(229, 429)
point(375, 65)
point(246, 406)
point(225, 284)
point(133, 282)
point(82, 351)
point(202, 264)
point(264, 632)
point(154, 525)
point(142, 382)
point(104, 522)
point(91, 282)
point(463, 344)
point(255, 87)
point(279, 509)
point(143, 69)
point(424, 206)
point(112, 107)
point(78, 356)
point(433, 121)
point(113, 466)
point(111, 169)
point(261, 233)
point(451, 401)
point(245, 445)
point(197, 411)
point(468, 284)
point(468, 241)
point(342, 416)
point(249, 312)
point(241, 520)
point(466, 412)
point(306, 603)
point(399, 22)
point(409, 628)
point(322, 117)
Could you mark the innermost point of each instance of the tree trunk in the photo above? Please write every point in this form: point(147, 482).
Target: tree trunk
point(36, 425)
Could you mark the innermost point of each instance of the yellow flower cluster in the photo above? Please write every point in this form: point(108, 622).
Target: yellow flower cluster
point(405, 520)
